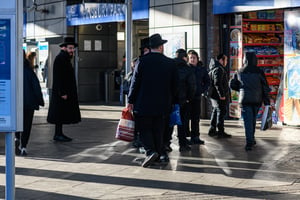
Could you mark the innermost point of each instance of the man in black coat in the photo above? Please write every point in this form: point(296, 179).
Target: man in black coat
point(219, 96)
point(64, 108)
point(150, 97)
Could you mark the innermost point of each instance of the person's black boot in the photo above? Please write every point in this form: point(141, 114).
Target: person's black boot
point(223, 134)
point(17, 147)
point(212, 132)
point(62, 138)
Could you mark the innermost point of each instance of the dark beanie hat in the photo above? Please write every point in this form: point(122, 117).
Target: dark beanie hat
point(145, 43)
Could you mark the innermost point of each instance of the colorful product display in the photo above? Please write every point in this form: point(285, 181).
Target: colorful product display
point(289, 103)
point(261, 32)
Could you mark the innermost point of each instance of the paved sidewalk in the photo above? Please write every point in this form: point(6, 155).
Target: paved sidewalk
point(96, 166)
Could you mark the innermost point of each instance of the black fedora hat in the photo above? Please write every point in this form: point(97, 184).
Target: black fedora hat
point(68, 41)
point(144, 43)
point(155, 40)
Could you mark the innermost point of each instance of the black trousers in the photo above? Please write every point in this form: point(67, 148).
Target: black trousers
point(195, 109)
point(218, 114)
point(168, 131)
point(27, 124)
point(58, 129)
point(184, 128)
point(151, 130)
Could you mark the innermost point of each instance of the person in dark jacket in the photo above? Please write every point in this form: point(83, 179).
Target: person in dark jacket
point(150, 97)
point(186, 92)
point(33, 98)
point(202, 83)
point(128, 77)
point(219, 96)
point(144, 49)
point(253, 88)
point(64, 108)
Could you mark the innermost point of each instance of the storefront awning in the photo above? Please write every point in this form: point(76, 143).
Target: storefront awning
point(91, 13)
point(232, 6)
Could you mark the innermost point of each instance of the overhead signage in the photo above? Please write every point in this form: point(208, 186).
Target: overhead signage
point(5, 71)
point(234, 6)
point(91, 13)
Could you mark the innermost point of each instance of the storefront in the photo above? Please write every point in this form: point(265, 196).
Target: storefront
point(271, 29)
point(100, 32)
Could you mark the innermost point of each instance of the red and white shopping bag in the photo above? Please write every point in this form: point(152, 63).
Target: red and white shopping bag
point(125, 129)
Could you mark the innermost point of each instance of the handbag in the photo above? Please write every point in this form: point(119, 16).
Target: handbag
point(266, 120)
point(175, 118)
point(125, 129)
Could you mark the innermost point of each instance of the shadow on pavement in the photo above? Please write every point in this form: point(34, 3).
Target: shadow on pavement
point(94, 142)
point(134, 182)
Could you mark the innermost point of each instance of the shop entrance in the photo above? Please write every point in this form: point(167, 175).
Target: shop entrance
point(101, 61)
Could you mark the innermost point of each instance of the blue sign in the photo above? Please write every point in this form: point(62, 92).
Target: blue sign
point(91, 13)
point(5, 49)
point(5, 72)
point(231, 6)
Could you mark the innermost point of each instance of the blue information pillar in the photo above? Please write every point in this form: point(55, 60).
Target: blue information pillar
point(11, 84)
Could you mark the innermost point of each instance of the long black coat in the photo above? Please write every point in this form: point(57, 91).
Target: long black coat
point(33, 97)
point(63, 111)
point(154, 85)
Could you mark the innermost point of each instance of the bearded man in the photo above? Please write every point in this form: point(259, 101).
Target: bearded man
point(64, 107)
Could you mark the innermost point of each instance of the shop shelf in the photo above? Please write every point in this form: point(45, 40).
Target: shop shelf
point(263, 32)
point(269, 56)
point(269, 65)
point(238, 26)
point(274, 83)
point(263, 44)
point(272, 74)
point(262, 20)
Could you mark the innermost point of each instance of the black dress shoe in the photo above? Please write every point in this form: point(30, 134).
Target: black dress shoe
point(223, 135)
point(196, 140)
point(188, 142)
point(248, 147)
point(164, 158)
point(62, 138)
point(150, 159)
point(68, 138)
point(212, 132)
point(184, 148)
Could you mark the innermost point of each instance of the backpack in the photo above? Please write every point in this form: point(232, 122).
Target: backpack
point(126, 83)
point(211, 68)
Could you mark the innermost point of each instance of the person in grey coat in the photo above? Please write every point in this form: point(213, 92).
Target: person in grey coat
point(64, 107)
point(253, 88)
point(32, 100)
